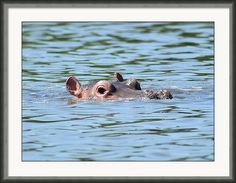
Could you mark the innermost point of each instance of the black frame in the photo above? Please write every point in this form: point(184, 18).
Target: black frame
point(111, 3)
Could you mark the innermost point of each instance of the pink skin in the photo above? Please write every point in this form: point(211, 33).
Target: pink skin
point(100, 90)
point(113, 90)
point(74, 87)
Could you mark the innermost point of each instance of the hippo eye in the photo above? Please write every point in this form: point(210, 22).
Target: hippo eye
point(101, 90)
point(104, 88)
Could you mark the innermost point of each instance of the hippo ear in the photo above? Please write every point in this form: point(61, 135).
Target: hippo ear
point(73, 86)
point(118, 77)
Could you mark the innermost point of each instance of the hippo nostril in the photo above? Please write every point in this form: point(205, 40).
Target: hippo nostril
point(101, 90)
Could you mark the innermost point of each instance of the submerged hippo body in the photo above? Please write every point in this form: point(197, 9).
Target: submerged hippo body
point(119, 88)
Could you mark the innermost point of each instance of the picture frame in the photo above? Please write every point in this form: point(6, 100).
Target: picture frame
point(6, 6)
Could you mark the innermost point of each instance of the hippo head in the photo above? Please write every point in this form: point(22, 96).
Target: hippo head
point(100, 89)
point(119, 88)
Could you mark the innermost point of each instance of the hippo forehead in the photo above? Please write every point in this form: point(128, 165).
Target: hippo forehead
point(123, 90)
point(117, 85)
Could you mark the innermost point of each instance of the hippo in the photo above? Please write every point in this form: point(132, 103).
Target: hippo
point(117, 89)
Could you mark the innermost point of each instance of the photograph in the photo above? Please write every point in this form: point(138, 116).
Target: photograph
point(121, 91)
point(117, 92)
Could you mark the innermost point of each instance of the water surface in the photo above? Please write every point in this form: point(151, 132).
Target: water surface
point(175, 55)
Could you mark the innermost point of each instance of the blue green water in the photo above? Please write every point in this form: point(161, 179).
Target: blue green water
point(175, 55)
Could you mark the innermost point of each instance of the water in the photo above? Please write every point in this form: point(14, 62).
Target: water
point(174, 55)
